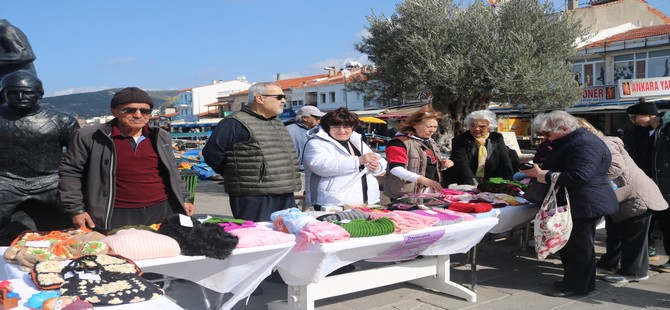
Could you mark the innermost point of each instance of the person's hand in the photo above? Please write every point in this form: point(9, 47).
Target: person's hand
point(433, 185)
point(83, 220)
point(374, 166)
point(368, 158)
point(532, 172)
point(189, 208)
point(446, 163)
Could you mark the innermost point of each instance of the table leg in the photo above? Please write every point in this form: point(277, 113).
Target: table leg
point(442, 282)
point(473, 269)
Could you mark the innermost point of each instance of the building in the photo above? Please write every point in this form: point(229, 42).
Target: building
point(193, 101)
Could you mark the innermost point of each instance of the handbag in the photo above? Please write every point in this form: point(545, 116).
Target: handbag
point(553, 222)
point(536, 191)
point(99, 283)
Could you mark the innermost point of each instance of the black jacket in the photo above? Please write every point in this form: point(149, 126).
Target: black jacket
point(583, 160)
point(464, 155)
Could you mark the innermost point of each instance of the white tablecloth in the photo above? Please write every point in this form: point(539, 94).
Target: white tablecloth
point(313, 264)
point(238, 274)
point(514, 216)
point(25, 287)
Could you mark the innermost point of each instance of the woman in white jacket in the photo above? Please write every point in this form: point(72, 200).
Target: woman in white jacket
point(340, 169)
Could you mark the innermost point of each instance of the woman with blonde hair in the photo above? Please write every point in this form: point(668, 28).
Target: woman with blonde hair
point(414, 160)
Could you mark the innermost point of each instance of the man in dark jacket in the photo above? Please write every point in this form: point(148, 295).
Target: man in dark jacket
point(33, 140)
point(254, 153)
point(122, 172)
point(650, 149)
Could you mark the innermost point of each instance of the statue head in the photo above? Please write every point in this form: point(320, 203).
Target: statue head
point(21, 91)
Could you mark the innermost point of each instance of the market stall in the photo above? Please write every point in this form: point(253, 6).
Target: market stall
point(305, 271)
point(238, 274)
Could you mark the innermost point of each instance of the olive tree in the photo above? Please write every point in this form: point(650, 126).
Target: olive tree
point(466, 57)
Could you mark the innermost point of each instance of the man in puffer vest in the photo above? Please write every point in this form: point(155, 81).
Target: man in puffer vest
point(254, 153)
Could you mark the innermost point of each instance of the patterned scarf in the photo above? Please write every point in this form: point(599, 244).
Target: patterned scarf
point(481, 155)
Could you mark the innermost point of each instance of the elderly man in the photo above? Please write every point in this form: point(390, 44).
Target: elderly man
point(33, 140)
point(122, 172)
point(253, 151)
point(308, 117)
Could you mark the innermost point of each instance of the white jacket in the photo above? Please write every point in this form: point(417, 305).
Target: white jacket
point(329, 168)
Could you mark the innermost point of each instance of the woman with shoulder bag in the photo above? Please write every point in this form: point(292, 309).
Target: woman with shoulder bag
point(583, 160)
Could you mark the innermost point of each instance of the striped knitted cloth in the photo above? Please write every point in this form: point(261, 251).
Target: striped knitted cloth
point(368, 228)
point(445, 219)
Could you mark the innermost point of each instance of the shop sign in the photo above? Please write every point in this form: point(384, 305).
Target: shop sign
point(633, 89)
point(598, 94)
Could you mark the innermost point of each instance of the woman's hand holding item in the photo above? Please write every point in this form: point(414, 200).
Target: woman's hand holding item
point(434, 186)
point(368, 158)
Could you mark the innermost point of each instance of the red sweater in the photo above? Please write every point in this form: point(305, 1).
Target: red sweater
point(139, 180)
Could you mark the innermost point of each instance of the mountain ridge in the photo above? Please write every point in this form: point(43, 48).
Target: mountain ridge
point(92, 104)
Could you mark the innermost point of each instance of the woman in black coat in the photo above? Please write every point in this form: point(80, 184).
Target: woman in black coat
point(479, 153)
point(582, 159)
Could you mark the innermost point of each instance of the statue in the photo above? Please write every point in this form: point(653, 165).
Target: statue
point(30, 155)
point(15, 51)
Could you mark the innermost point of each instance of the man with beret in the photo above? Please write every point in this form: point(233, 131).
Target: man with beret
point(33, 140)
point(308, 117)
point(649, 147)
point(122, 172)
point(254, 153)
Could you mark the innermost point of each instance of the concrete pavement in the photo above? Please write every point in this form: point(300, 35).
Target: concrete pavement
point(507, 279)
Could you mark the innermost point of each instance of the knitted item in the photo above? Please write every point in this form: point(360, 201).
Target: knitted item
point(468, 207)
point(465, 216)
point(344, 215)
point(368, 228)
point(230, 226)
point(131, 95)
point(259, 236)
point(216, 220)
point(406, 221)
point(504, 188)
point(138, 244)
point(320, 232)
point(444, 219)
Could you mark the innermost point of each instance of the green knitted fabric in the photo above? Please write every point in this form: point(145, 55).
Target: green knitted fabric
point(216, 220)
point(368, 228)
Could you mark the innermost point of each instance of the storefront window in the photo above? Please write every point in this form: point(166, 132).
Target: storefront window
point(658, 67)
point(623, 70)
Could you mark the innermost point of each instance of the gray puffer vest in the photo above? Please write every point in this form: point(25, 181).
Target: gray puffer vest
point(267, 164)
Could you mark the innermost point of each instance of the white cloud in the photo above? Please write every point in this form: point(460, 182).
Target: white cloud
point(77, 90)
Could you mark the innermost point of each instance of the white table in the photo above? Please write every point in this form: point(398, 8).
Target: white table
point(511, 217)
point(305, 271)
point(25, 287)
point(239, 274)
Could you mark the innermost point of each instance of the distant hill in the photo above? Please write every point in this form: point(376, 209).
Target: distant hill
point(89, 105)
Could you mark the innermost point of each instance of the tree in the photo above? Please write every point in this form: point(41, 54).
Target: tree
point(517, 53)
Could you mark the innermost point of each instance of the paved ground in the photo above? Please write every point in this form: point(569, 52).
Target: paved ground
point(508, 279)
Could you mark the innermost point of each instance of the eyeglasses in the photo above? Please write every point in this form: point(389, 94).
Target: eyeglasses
point(134, 110)
point(342, 127)
point(278, 97)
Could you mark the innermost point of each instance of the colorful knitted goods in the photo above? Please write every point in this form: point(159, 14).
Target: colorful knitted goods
point(320, 232)
point(444, 219)
point(449, 191)
point(230, 226)
point(344, 215)
point(216, 220)
point(259, 236)
point(138, 244)
point(406, 221)
point(470, 207)
point(463, 187)
point(465, 216)
point(368, 228)
point(503, 188)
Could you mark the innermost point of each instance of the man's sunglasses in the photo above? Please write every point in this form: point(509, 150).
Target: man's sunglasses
point(134, 110)
point(278, 97)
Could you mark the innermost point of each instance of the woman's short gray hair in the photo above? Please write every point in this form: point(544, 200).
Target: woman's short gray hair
point(482, 115)
point(555, 120)
point(259, 89)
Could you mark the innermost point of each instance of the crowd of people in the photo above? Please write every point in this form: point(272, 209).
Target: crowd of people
point(124, 172)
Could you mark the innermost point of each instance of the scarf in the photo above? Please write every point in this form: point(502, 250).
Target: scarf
point(481, 155)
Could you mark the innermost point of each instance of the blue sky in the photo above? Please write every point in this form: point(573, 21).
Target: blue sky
point(169, 44)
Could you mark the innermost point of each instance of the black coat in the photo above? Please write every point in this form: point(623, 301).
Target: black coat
point(464, 155)
point(583, 160)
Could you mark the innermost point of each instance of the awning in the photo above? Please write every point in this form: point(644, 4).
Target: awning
point(371, 120)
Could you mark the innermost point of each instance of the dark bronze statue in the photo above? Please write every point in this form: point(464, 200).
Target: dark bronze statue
point(15, 51)
point(32, 148)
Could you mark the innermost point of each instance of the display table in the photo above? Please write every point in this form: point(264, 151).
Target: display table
point(511, 217)
point(305, 271)
point(25, 287)
point(238, 274)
